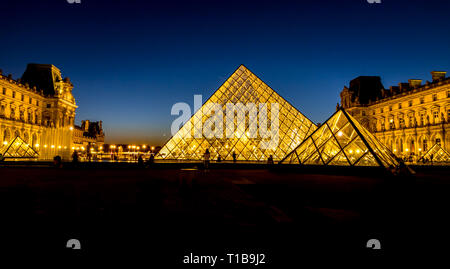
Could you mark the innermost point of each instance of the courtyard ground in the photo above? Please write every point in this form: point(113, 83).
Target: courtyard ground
point(168, 211)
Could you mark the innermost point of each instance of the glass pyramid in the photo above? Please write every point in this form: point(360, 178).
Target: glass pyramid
point(439, 154)
point(241, 87)
point(341, 141)
point(18, 148)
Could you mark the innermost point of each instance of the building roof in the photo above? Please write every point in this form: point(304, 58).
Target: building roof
point(42, 76)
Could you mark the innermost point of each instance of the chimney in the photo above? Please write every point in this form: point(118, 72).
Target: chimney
point(415, 83)
point(438, 75)
point(86, 125)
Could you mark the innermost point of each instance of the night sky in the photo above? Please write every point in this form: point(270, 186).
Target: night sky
point(130, 61)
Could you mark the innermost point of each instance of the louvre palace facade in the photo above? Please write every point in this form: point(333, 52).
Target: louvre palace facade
point(40, 109)
point(409, 118)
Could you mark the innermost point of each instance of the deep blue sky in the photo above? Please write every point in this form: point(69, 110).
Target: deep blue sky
point(130, 61)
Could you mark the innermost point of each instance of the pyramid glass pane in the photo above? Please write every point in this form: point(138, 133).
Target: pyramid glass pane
point(436, 154)
point(242, 90)
point(341, 140)
point(18, 148)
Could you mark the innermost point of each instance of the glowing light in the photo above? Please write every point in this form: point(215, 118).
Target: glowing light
point(144, 146)
point(53, 146)
point(5, 142)
point(71, 128)
point(351, 151)
point(391, 120)
point(339, 133)
point(395, 150)
point(357, 151)
point(45, 146)
point(406, 150)
point(129, 146)
point(65, 147)
point(420, 149)
point(73, 148)
point(100, 148)
point(153, 148)
point(82, 148)
point(137, 148)
point(59, 147)
point(37, 145)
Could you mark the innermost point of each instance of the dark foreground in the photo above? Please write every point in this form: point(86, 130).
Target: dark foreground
point(161, 214)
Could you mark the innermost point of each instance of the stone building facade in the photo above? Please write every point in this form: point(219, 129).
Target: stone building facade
point(89, 134)
point(40, 108)
point(409, 118)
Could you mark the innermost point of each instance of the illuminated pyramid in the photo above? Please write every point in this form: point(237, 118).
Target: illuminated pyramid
point(341, 141)
point(242, 87)
point(439, 154)
point(18, 148)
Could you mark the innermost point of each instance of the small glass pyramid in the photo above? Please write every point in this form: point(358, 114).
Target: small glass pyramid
point(18, 148)
point(341, 141)
point(246, 88)
point(436, 154)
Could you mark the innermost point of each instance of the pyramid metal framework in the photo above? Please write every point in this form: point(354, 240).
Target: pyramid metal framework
point(241, 87)
point(440, 155)
point(341, 141)
point(18, 148)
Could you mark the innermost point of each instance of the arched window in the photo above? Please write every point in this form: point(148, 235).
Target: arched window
point(34, 140)
point(6, 136)
point(26, 137)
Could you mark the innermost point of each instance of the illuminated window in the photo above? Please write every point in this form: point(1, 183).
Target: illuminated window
point(399, 105)
point(22, 97)
point(410, 103)
point(436, 115)
point(4, 91)
point(391, 123)
point(422, 100)
point(411, 120)
point(401, 122)
point(434, 97)
point(14, 94)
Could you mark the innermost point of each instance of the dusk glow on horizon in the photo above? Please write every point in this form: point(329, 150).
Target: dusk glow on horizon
point(130, 61)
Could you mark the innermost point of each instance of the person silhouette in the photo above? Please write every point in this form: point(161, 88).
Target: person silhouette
point(206, 157)
point(234, 157)
point(75, 156)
